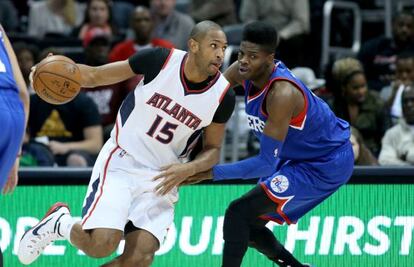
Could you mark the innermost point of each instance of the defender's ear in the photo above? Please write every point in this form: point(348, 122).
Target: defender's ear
point(270, 58)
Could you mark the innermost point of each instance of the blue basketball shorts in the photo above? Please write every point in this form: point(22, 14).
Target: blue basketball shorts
point(299, 186)
point(12, 130)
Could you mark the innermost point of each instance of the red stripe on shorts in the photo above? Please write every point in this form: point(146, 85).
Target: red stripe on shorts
point(102, 185)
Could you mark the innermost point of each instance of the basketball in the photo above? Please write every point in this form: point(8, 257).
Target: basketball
point(57, 80)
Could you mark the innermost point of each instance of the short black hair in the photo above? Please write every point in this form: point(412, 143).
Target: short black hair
point(201, 28)
point(263, 34)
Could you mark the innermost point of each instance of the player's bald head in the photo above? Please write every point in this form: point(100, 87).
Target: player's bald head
point(202, 28)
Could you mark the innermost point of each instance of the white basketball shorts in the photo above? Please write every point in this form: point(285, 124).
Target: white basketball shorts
point(122, 190)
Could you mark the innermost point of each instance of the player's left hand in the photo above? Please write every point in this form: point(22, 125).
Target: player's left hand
point(13, 178)
point(172, 175)
point(33, 70)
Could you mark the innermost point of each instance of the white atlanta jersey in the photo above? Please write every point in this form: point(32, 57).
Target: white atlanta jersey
point(160, 122)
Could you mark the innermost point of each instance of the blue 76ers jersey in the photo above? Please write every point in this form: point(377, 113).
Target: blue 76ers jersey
point(6, 72)
point(314, 133)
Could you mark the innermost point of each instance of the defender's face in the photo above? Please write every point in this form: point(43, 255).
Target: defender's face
point(253, 61)
point(211, 50)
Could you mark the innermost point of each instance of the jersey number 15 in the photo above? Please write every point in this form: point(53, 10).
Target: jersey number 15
point(165, 134)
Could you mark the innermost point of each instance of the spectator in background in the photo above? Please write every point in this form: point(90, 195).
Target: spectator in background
point(362, 155)
point(353, 102)
point(170, 24)
point(379, 54)
point(221, 12)
point(108, 98)
point(398, 142)
point(404, 76)
point(291, 18)
point(8, 16)
point(35, 154)
point(308, 77)
point(26, 56)
point(72, 131)
point(143, 25)
point(97, 20)
point(53, 16)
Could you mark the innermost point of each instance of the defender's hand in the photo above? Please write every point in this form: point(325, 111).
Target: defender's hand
point(199, 177)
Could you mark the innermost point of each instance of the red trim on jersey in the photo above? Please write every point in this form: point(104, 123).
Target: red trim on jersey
point(279, 201)
point(116, 132)
point(249, 98)
point(224, 92)
point(298, 120)
point(268, 218)
point(168, 58)
point(102, 185)
point(189, 90)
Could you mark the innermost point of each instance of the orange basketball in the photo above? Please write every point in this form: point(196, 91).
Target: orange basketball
point(57, 80)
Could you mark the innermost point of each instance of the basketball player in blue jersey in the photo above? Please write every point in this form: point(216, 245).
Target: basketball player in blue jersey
point(305, 153)
point(14, 107)
point(181, 95)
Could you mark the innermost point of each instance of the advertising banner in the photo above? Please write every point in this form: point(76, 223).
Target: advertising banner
point(359, 226)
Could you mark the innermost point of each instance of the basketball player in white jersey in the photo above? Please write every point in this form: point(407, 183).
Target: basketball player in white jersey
point(158, 124)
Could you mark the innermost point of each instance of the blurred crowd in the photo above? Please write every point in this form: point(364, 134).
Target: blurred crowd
point(372, 90)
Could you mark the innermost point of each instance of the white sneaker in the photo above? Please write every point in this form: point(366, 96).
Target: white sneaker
point(35, 240)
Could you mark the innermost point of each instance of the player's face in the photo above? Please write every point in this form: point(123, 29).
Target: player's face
point(253, 61)
point(356, 89)
point(408, 106)
point(210, 52)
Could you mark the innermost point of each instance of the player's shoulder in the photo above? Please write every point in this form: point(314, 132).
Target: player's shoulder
point(282, 88)
point(157, 52)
